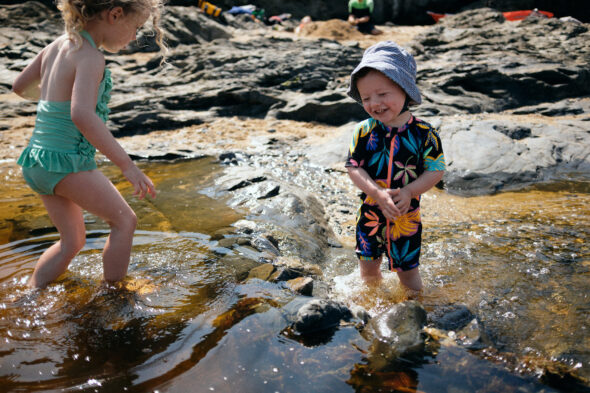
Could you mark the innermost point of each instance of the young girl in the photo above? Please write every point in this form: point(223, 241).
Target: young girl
point(69, 79)
point(393, 158)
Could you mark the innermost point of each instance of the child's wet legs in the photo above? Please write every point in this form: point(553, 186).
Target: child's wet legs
point(411, 279)
point(95, 193)
point(117, 250)
point(69, 221)
point(370, 270)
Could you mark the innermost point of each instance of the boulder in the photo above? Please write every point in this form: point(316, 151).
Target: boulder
point(395, 333)
point(320, 314)
point(476, 61)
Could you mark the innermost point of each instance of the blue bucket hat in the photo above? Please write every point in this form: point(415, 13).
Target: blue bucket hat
point(394, 62)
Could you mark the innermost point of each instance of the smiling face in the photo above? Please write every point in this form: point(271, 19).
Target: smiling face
point(382, 98)
point(123, 28)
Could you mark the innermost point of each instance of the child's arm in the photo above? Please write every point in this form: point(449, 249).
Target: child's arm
point(27, 83)
point(423, 183)
point(382, 196)
point(84, 92)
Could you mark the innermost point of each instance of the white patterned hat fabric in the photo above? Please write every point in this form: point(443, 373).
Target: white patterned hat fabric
point(394, 62)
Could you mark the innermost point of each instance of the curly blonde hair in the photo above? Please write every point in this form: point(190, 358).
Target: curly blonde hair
point(76, 13)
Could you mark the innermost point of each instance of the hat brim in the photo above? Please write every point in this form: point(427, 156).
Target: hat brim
point(395, 74)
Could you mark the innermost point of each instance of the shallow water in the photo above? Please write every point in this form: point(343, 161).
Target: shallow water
point(521, 261)
point(185, 320)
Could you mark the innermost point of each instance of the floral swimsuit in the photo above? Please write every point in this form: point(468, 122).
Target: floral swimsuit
point(393, 157)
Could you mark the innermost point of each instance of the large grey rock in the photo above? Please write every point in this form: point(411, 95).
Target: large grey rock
point(294, 217)
point(486, 156)
point(476, 61)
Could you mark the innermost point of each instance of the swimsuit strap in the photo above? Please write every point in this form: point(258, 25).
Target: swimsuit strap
point(104, 89)
point(88, 37)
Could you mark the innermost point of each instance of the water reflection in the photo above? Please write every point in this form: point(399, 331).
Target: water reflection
point(79, 328)
point(80, 333)
point(520, 261)
point(186, 320)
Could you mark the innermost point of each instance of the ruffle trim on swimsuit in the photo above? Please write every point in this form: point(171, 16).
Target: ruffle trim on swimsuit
point(57, 145)
point(105, 87)
point(59, 162)
point(104, 96)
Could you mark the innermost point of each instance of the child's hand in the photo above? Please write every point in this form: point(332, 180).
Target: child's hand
point(386, 203)
point(402, 200)
point(141, 183)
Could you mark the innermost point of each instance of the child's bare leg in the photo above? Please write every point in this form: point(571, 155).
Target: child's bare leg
point(411, 279)
point(92, 191)
point(370, 270)
point(67, 218)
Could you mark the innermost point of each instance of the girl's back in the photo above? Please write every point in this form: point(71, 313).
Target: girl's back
point(59, 63)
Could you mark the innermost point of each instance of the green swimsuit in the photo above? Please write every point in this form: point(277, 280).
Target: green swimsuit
point(57, 148)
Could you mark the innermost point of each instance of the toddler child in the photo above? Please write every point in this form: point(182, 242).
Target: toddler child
point(72, 86)
point(393, 158)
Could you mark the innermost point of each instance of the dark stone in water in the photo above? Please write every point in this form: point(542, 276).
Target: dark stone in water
point(263, 243)
point(287, 273)
point(396, 333)
point(320, 314)
point(450, 317)
point(473, 336)
point(227, 242)
point(262, 272)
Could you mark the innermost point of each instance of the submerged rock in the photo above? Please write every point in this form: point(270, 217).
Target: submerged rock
point(320, 314)
point(397, 332)
point(473, 336)
point(262, 272)
point(451, 317)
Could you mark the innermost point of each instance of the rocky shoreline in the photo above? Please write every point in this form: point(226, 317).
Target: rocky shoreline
point(511, 99)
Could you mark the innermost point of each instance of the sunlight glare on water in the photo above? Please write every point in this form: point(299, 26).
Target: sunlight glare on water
point(520, 260)
point(186, 317)
point(61, 335)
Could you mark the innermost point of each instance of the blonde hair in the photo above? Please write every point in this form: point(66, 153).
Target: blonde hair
point(76, 13)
